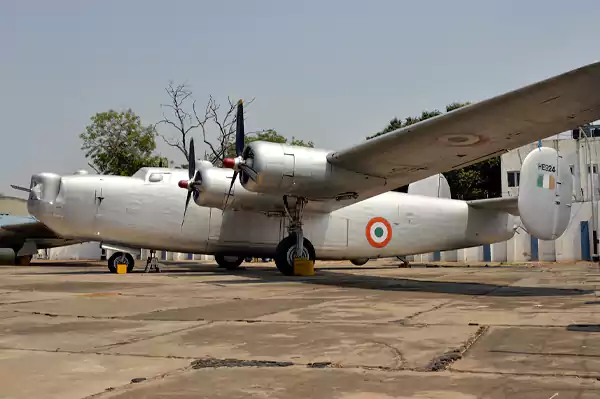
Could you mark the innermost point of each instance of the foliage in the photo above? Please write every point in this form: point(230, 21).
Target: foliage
point(480, 180)
point(116, 143)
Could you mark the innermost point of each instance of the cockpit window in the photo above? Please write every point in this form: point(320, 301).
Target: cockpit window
point(159, 177)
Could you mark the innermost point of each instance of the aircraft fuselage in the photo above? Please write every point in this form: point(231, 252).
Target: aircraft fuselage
point(145, 214)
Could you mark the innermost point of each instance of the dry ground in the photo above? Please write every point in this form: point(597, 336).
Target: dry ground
point(72, 330)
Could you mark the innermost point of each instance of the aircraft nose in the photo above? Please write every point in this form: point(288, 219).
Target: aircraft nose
point(45, 188)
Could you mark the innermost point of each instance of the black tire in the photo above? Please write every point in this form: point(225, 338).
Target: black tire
point(112, 262)
point(284, 257)
point(24, 260)
point(228, 262)
point(359, 261)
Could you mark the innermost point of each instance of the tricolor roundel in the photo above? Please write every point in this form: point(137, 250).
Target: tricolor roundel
point(379, 232)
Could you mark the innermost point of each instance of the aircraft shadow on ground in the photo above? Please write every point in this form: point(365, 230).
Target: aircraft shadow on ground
point(399, 284)
point(325, 276)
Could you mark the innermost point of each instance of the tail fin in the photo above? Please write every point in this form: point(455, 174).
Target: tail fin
point(432, 186)
point(545, 194)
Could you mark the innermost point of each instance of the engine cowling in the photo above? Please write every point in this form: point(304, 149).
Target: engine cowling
point(301, 171)
point(214, 186)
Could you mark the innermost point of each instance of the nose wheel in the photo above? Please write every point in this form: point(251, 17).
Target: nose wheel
point(295, 245)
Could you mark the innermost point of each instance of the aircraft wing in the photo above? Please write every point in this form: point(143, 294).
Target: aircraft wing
point(476, 132)
point(24, 226)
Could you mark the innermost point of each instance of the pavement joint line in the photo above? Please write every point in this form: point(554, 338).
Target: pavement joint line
point(525, 374)
point(417, 314)
point(444, 361)
point(558, 354)
point(22, 302)
point(171, 373)
point(258, 320)
point(139, 339)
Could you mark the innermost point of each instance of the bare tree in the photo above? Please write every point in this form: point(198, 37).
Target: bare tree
point(181, 120)
point(186, 121)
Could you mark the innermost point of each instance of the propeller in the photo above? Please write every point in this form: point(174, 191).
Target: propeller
point(195, 179)
point(239, 164)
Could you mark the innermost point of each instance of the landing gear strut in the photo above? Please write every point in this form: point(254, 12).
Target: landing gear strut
point(294, 245)
point(405, 263)
point(152, 262)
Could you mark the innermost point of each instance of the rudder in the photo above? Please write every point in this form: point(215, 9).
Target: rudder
point(545, 194)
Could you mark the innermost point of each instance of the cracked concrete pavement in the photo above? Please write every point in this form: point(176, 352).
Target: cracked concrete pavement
point(72, 330)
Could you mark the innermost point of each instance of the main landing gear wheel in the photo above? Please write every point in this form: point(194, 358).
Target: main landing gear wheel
point(120, 257)
point(229, 262)
point(359, 261)
point(24, 260)
point(294, 245)
point(287, 251)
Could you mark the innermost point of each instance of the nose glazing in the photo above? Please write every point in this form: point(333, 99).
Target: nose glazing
point(45, 187)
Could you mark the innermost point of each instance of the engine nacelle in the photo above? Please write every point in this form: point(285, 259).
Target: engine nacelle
point(214, 187)
point(301, 171)
point(545, 194)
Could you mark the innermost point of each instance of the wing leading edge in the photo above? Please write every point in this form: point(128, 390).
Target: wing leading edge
point(477, 132)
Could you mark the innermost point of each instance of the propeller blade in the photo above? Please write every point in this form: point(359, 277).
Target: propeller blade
point(249, 171)
point(27, 190)
point(192, 160)
point(235, 173)
point(239, 130)
point(187, 201)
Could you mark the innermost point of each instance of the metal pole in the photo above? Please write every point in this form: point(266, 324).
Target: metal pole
point(593, 200)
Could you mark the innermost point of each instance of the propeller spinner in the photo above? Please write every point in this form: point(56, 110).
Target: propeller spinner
point(239, 164)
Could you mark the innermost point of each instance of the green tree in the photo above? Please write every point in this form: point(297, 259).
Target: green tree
point(480, 180)
point(116, 143)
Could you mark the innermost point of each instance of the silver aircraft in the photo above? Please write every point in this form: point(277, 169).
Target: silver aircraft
point(281, 201)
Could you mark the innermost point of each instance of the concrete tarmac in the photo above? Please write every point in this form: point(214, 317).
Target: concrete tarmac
point(73, 330)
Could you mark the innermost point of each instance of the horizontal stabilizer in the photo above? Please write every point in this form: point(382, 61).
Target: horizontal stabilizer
point(506, 204)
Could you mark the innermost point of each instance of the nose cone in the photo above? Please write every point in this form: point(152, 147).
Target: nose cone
point(183, 184)
point(45, 188)
point(229, 163)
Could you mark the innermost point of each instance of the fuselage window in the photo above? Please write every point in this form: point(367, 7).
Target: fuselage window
point(155, 177)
